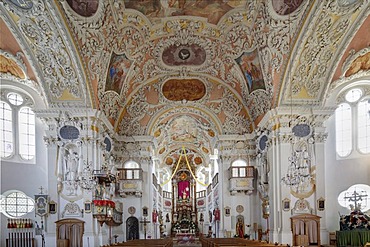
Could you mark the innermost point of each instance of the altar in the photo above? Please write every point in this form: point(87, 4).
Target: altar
point(354, 229)
point(184, 221)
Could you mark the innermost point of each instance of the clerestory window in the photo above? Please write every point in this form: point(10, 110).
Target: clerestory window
point(352, 122)
point(17, 126)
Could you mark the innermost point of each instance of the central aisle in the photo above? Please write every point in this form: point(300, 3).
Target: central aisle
point(195, 243)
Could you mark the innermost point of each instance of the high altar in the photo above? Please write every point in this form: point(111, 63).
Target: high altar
point(184, 222)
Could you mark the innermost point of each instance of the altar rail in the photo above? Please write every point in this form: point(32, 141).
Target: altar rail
point(167, 242)
point(229, 242)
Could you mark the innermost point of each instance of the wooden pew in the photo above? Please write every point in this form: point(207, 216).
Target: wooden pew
point(168, 242)
point(233, 242)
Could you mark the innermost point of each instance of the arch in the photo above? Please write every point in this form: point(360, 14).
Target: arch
point(132, 228)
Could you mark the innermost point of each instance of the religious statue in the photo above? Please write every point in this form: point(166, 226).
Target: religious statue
point(69, 172)
point(184, 195)
point(240, 228)
point(98, 192)
point(201, 217)
point(106, 194)
point(216, 213)
point(71, 166)
point(154, 216)
point(167, 217)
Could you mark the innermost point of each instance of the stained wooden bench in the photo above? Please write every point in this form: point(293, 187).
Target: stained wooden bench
point(168, 242)
point(233, 242)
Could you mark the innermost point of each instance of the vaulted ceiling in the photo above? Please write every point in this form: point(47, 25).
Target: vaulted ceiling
point(184, 72)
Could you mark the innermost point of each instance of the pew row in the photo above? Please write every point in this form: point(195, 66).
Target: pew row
point(233, 242)
point(167, 242)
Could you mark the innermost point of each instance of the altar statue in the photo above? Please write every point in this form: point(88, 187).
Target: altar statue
point(184, 195)
point(71, 165)
point(240, 228)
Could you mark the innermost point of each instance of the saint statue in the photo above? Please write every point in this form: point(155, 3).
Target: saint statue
point(240, 228)
point(184, 195)
point(71, 166)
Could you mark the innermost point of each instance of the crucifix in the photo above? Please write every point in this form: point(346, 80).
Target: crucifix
point(356, 197)
point(144, 222)
point(41, 190)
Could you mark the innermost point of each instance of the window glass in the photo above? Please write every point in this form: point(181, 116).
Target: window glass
point(16, 204)
point(26, 120)
point(242, 172)
point(235, 172)
point(15, 99)
point(131, 164)
point(364, 126)
point(353, 95)
point(343, 125)
point(239, 163)
point(238, 172)
point(356, 197)
point(136, 174)
point(6, 130)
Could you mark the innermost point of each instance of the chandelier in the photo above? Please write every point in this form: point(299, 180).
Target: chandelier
point(87, 180)
point(298, 176)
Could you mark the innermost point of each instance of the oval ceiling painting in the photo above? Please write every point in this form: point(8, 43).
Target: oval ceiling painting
point(184, 55)
point(84, 8)
point(183, 89)
point(286, 7)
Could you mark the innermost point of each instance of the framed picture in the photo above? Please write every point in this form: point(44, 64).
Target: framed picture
point(286, 204)
point(321, 204)
point(87, 207)
point(52, 207)
point(227, 211)
point(145, 211)
point(266, 209)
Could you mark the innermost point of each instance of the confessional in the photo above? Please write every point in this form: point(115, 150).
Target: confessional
point(69, 232)
point(305, 229)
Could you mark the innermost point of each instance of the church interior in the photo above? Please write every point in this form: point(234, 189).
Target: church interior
point(184, 120)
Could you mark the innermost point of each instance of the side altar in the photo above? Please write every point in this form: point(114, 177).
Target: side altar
point(355, 227)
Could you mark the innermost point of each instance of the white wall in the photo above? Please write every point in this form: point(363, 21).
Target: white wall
point(27, 178)
point(340, 175)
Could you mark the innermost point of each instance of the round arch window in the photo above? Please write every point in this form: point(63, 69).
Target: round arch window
point(353, 95)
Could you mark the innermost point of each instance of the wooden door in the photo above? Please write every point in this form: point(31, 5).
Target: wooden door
point(132, 228)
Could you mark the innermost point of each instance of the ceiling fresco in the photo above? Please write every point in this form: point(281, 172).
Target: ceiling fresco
point(212, 10)
point(184, 72)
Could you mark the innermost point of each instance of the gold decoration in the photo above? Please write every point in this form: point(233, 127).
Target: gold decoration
point(9, 66)
point(169, 161)
point(198, 160)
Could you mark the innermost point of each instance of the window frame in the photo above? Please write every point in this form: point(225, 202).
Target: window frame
point(10, 132)
point(3, 206)
point(365, 98)
point(16, 108)
point(351, 120)
point(354, 106)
